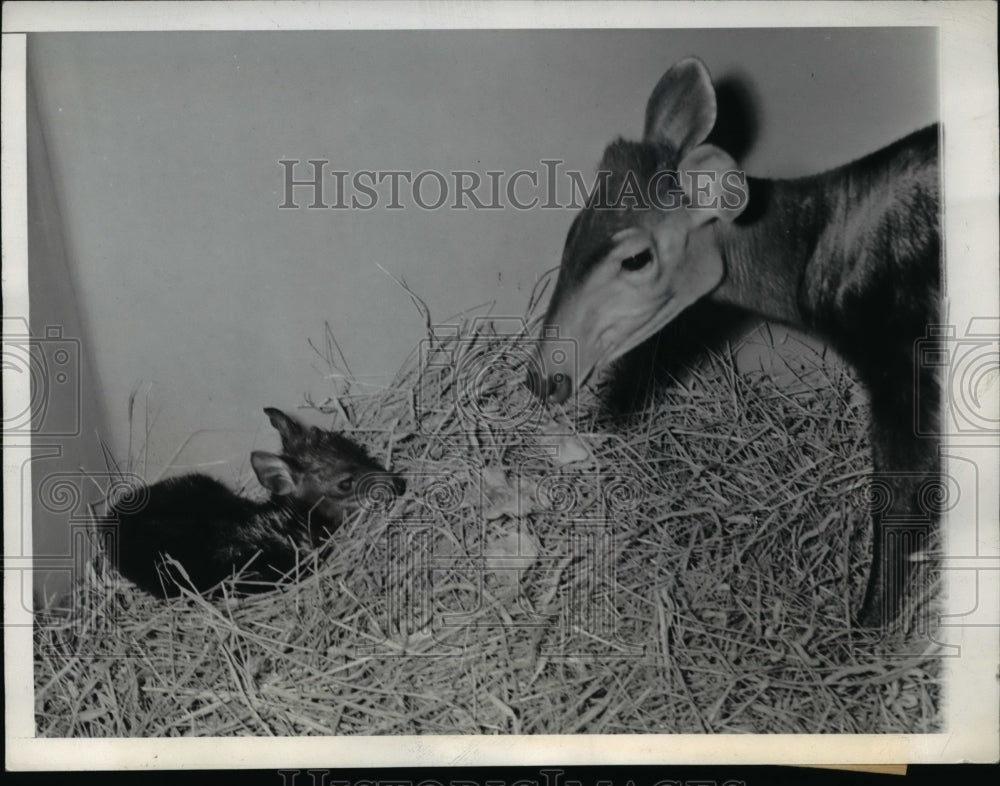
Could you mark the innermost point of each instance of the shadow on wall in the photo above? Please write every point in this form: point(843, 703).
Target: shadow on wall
point(738, 120)
point(66, 414)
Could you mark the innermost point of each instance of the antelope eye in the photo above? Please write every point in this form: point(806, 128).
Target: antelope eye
point(345, 485)
point(637, 262)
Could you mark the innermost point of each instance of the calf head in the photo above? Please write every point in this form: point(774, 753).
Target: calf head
point(320, 472)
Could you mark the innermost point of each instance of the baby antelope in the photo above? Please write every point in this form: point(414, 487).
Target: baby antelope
point(214, 533)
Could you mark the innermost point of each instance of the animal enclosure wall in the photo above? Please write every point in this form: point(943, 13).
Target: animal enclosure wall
point(163, 223)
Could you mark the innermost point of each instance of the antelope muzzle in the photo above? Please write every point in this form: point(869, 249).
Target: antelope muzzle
point(550, 377)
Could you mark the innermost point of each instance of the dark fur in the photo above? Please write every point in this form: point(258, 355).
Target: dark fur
point(864, 269)
point(214, 533)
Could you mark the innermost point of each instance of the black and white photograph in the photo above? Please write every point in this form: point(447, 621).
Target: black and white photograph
point(462, 383)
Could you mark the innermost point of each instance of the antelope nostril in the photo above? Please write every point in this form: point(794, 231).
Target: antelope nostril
point(559, 388)
point(534, 383)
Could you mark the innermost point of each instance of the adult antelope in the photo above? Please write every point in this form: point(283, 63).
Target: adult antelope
point(851, 255)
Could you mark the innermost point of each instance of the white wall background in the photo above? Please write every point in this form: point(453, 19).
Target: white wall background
point(163, 150)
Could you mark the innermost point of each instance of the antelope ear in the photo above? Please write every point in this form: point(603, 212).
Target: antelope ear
point(713, 185)
point(681, 109)
point(289, 428)
point(273, 473)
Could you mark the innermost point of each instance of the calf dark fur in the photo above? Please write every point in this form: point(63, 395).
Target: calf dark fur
point(214, 533)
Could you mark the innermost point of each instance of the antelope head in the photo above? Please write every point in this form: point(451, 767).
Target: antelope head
point(643, 249)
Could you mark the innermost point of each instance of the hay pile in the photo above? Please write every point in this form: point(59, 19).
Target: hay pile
point(692, 569)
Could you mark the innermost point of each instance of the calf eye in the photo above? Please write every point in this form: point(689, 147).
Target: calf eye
point(638, 261)
point(345, 485)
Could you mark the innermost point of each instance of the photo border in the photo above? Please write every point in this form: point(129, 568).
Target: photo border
point(968, 101)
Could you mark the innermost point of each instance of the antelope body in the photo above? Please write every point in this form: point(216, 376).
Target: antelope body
point(851, 255)
point(213, 532)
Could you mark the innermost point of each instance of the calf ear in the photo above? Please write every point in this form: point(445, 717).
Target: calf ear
point(713, 185)
point(681, 109)
point(273, 473)
point(290, 429)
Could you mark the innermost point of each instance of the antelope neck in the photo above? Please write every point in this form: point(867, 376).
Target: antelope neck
point(766, 250)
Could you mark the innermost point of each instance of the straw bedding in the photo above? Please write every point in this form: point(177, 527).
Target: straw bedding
point(690, 568)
